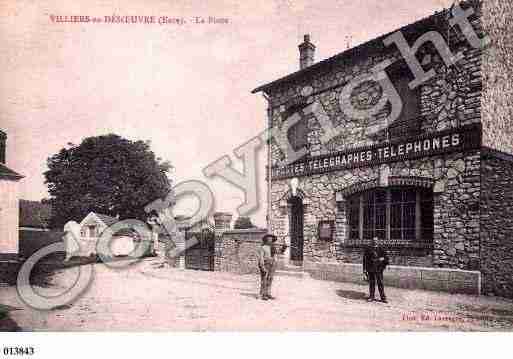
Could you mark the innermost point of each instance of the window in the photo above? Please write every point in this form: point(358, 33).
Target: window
point(408, 123)
point(397, 215)
point(297, 134)
point(410, 98)
point(92, 231)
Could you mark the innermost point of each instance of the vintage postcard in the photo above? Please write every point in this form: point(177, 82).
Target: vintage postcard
point(263, 166)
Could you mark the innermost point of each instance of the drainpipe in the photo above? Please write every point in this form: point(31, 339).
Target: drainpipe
point(268, 170)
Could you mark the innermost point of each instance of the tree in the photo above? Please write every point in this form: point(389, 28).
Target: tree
point(105, 174)
point(243, 223)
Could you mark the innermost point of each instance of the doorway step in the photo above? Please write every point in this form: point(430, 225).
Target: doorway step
point(291, 271)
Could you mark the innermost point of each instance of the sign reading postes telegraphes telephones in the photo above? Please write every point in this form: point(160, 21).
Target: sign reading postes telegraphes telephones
point(326, 230)
point(431, 144)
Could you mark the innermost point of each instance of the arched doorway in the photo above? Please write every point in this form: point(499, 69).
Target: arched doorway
point(296, 230)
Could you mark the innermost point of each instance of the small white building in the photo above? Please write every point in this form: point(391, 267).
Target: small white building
point(93, 225)
point(91, 228)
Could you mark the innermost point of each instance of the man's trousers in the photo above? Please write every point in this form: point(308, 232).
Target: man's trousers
point(264, 282)
point(373, 278)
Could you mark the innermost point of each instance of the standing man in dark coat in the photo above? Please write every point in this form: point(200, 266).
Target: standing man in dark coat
point(375, 260)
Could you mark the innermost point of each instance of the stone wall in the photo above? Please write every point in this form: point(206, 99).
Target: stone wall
point(497, 68)
point(9, 271)
point(236, 251)
point(32, 241)
point(439, 279)
point(497, 223)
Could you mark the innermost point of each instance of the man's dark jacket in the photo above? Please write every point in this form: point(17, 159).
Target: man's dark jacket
point(371, 262)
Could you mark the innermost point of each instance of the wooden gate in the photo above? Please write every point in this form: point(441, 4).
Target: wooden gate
point(200, 255)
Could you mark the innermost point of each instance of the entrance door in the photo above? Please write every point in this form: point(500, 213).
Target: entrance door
point(296, 229)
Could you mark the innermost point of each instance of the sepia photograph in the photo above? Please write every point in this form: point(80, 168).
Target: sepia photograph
point(289, 166)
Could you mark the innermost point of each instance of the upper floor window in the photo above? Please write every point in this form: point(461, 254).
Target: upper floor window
point(92, 231)
point(407, 124)
point(397, 215)
point(297, 134)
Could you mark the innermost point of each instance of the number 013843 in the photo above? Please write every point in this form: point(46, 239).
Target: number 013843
point(18, 350)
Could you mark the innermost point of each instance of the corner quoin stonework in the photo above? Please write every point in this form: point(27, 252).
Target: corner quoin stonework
point(497, 223)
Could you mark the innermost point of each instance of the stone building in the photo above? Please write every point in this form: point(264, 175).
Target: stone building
point(432, 178)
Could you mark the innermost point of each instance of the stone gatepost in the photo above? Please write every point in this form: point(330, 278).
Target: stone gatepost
point(222, 221)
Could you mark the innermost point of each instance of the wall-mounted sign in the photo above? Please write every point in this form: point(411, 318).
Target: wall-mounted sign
point(325, 230)
point(453, 140)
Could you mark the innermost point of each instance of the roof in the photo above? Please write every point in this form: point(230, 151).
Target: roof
point(7, 173)
point(34, 214)
point(108, 220)
point(126, 232)
point(492, 152)
point(375, 45)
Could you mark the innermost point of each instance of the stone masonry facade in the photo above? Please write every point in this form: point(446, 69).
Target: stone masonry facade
point(458, 97)
point(456, 210)
point(450, 100)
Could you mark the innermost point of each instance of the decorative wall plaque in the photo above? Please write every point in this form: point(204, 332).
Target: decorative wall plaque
point(325, 230)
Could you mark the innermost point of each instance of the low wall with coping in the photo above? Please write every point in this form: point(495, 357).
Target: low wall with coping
point(9, 272)
point(236, 250)
point(437, 279)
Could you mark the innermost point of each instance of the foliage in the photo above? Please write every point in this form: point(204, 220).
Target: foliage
point(105, 174)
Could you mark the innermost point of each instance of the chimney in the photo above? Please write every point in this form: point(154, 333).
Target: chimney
point(3, 146)
point(222, 222)
point(306, 53)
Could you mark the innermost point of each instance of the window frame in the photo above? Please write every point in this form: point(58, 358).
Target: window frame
point(297, 134)
point(407, 123)
point(421, 223)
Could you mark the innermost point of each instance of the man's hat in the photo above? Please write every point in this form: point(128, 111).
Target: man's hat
point(271, 237)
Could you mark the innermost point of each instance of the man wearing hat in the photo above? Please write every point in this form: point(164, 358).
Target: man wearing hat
point(375, 260)
point(275, 248)
point(265, 264)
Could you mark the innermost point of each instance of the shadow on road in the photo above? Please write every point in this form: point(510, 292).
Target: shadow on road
point(6, 323)
point(251, 295)
point(351, 294)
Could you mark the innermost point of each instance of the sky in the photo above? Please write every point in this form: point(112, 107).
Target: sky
point(186, 88)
